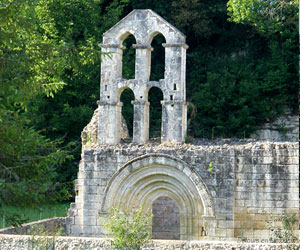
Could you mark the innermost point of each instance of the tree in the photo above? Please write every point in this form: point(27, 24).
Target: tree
point(30, 65)
point(79, 26)
point(277, 22)
point(267, 16)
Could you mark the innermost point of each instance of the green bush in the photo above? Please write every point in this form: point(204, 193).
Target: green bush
point(130, 230)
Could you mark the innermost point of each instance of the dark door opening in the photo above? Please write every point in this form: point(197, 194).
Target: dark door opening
point(166, 219)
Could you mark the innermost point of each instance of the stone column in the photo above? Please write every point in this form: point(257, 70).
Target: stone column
point(111, 61)
point(111, 69)
point(174, 120)
point(109, 125)
point(142, 61)
point(140, 121)
point(175, 67)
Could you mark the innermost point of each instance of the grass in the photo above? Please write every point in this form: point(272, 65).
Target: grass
point(33, 214)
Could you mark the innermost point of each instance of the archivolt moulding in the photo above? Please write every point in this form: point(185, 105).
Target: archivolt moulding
point(144, 179)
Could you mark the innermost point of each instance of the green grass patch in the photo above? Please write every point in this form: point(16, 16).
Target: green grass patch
point(33, 214)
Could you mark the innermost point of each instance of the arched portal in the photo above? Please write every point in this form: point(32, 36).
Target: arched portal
point(166, 219)
point(143, 180)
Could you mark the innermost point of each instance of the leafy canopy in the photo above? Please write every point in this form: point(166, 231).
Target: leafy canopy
point(31, 64)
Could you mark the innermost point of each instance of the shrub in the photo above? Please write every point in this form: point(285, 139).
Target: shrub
point(130, 230)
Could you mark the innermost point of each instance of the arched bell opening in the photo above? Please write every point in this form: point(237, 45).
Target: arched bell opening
point(157, 57)
point(166, 219)
point(155, 96)
point(126, 97)
point(128, 59)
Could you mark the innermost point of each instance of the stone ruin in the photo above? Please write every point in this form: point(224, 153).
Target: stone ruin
point(211, 190)
point(143, 25)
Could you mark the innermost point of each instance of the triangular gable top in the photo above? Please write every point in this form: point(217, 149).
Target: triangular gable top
point(143, 15)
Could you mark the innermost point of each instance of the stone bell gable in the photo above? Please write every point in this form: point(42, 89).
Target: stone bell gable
point(143, 25)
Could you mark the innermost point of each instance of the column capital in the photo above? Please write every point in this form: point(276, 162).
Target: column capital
point(109, 103)
point(111, 45)
point(140, 102)
point(142, 46)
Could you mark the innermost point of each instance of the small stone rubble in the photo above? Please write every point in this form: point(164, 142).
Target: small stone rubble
point(16, 242)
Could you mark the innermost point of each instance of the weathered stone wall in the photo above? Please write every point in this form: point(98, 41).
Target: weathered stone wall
point(223, 191)
point(266, 183)
point(16, 242)
point(89, 135)
point(48, 226)
point(284, 128)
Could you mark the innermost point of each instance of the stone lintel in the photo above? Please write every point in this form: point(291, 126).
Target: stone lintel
point(175, 45)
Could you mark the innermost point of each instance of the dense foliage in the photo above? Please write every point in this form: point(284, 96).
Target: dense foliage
point(30, 65)
point(242, 70)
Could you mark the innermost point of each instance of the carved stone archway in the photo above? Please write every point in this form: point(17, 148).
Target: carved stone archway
point(144, 179)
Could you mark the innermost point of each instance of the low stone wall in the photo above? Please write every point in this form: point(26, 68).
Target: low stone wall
point(23, 242)
point(48, 226)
